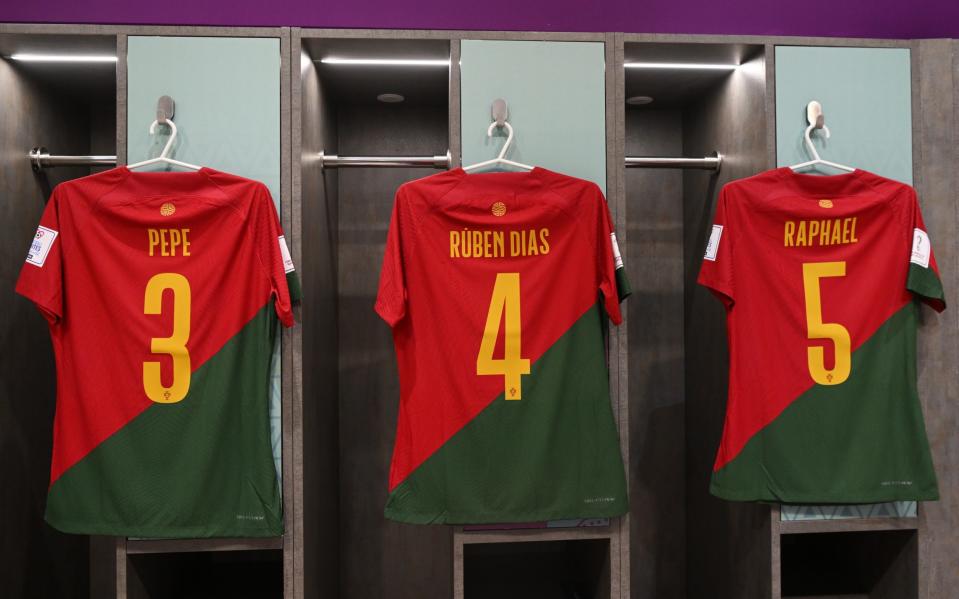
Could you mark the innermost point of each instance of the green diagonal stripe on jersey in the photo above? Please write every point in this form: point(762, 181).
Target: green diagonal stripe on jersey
point(535, 459)
point(925, 282)
point(216, 450)
point(885, 457)
point(293, 284)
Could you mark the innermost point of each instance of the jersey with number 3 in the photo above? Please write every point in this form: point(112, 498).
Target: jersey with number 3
point(162, 292)
point(821, 277)
point(495, 285)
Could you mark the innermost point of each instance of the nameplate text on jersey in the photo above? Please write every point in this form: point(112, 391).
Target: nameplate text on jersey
point(808, 233)
point(470, 243)
point(167, 242)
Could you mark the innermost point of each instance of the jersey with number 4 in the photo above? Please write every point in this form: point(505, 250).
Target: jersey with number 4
point(162, 292)
point(495, 285)
point(822, 277)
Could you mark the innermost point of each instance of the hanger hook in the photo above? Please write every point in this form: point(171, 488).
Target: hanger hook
point(816, 120)
point(809, 145)
point(509, 137)
point(169, 144)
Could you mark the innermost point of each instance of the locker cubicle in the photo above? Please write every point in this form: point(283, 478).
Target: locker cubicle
point(320, 138)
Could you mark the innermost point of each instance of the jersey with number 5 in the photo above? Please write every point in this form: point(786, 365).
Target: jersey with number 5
point(821, 277)
point(496, 285)
point(162, 292)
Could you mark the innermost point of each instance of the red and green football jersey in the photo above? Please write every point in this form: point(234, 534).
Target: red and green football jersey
point(162, 292)
point(495, 285)
point(821, 277)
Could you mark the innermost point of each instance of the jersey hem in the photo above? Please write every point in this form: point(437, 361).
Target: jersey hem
point(181, 532)
point(499, 518)
point(927, 494)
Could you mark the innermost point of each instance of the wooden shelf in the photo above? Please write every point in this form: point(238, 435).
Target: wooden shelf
point(142, 546)
point(534, 534)
point(792, 527)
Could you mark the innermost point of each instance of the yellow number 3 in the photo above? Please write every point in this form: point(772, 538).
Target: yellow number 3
point(817, 329)
point(175, 344)
point(512, 366)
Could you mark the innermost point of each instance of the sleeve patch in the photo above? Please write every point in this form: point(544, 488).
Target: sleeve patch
point(285, 253)
point(921, 249)
point(712, 248)
point(617, 257)
point(40, 248)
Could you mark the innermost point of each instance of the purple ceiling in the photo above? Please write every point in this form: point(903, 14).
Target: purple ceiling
point(848, 18)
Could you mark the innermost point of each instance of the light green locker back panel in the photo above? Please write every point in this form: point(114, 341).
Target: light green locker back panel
point(557, 103)
point(227, 94)
point(866, 94)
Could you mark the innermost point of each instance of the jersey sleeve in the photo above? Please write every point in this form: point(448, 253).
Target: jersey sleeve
point(923, 279)
point(41, 277)
point(275, 255)
point(391, 296)
point(716, 272)
point(613, 282)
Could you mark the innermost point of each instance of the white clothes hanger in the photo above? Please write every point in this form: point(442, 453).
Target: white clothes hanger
point(499, 159)
point(165, 109)
point(816, 120)
point(164, 156)
point(499, 115)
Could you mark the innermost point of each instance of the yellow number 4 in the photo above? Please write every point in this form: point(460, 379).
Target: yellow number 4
point(817, 329)
point(175, 344)
point(512, 366)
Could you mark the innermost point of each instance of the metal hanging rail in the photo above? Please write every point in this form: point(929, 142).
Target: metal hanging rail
point(335, 161)
point(709, 163)
point(41, 159)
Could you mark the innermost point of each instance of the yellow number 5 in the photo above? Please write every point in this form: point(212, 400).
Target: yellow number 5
point(817, 329)
point(175, 344)
point(512, 366)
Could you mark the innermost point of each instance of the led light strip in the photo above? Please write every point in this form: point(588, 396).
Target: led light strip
point(62, 58)
point(392, 62)
point(681, 65)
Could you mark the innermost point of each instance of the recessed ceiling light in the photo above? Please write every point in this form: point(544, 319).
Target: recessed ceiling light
point(26, 57)
point(639, 100)
point(387, 62)
point(681, 65)
point(390, 98)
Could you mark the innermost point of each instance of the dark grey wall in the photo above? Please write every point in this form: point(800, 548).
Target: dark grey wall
point(380, 558)
point(727, 544)
point(654, 261)
point(35, 560)
point(937, 181)
point(320, 398)
point(103, 130)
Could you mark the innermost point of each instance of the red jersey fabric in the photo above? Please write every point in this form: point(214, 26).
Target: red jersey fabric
point(112, 232)
point(450, 237)
point(769, 230)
